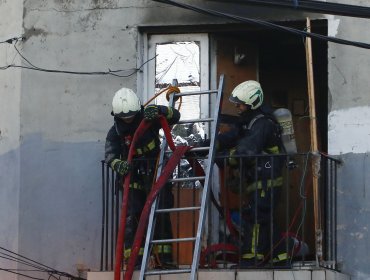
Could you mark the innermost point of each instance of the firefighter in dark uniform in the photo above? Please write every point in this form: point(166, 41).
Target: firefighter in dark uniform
point(128, 113)
point(259, 135)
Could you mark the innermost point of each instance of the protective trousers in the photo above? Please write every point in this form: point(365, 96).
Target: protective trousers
point(258, 226)
point(163, 230)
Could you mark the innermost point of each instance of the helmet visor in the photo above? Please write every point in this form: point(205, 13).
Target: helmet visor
point(128, 115)
point(235, 99)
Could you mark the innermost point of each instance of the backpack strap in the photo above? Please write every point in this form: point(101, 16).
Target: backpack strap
point(251, 123)
point(278, 129)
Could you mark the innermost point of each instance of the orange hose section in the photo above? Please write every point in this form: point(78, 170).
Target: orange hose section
point(170, 90)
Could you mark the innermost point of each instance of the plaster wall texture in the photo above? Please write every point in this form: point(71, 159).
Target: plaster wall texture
point(10, 80)
point(349, 101)
point(349, 137)
point(64, 123)
point(64, 118)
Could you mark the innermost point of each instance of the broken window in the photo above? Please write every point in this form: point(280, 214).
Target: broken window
point(182, 60)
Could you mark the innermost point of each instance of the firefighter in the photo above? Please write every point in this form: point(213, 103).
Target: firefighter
point(259, 134)
point(128, 113)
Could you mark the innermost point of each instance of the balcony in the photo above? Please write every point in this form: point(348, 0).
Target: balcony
point(304, 219)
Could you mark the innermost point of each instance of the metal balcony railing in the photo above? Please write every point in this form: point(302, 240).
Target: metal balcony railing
point(291, 221)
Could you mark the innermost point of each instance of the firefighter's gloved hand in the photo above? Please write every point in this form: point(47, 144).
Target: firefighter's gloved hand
point(151, 112)
point(121, 166)
point(232, 160)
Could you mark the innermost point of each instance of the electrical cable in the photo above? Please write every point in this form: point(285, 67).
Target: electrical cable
point(36, 68)
point(302, 204)
point(26, 259)
point(31, 263)
point(266, 24)
point(11, 40)
point(310, 6)
point(21, 274)
point(23, 262)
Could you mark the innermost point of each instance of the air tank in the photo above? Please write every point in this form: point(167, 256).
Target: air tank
point(284, 117)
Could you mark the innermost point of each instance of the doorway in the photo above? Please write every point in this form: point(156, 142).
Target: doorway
point(278, 61)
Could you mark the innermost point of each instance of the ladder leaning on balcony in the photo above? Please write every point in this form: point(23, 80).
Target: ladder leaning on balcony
point(203, 204)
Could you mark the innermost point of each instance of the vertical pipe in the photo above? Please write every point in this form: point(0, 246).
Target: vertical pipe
point(178, 216)
point(112, 223)
point(271, 210)
point(103, 217)
point(224, 207)
point(255, 210)
point(117, 207)
point(194, 216)
point(106, 216)
point(304, 208)
point(287, 204)
point(329, 214)
point(335, 215)
point(242, 177)
point(333, 212)
point(303, 195)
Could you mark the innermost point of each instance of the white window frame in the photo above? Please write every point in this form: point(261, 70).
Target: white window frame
point(146, 83)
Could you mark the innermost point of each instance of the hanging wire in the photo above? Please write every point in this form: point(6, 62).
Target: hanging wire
point(31, 66)
point(315, 6)
point(266, 24)
point(38, 267)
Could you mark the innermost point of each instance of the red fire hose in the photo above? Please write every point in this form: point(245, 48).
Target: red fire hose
point(122, 225)
point(167, 172)
point(171, 165)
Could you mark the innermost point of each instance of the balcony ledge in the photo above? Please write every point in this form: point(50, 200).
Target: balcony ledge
point(232, 274)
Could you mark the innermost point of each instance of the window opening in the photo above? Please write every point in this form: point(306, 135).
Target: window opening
point(179, 61)
point(182, 58)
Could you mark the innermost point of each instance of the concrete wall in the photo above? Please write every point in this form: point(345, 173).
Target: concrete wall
point(65, 118)
point(10, 82)
point(349, 137)
point(62, 120)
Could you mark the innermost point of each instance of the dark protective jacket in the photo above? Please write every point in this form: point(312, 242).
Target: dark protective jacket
point(120, 135)
point(263, 135)
point(119, 139)
point(117, 146)
point(259, 134)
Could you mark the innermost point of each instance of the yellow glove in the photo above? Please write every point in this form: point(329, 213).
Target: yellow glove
point(121, 166)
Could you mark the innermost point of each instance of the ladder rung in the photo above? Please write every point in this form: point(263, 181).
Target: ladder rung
point(185, 239)
point(167, 271)
point(177, 209)
point(195, 92)
point(195, 149)
point(187, 179)
point(196, 120)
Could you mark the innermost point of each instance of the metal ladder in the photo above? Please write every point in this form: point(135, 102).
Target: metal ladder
point(149, 242)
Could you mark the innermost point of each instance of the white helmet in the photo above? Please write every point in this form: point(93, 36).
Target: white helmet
point(125, 103)
point(248, 93)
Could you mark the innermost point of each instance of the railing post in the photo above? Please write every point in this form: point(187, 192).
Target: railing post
point(103, 216)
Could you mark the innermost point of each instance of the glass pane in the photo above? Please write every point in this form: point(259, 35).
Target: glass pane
point(180, 61)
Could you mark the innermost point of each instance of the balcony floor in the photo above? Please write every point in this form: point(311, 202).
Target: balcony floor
point(260, 274)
